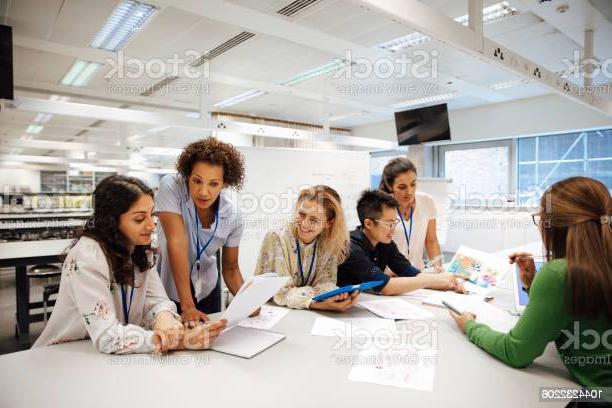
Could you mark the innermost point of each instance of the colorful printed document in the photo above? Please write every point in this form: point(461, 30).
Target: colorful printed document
point(478, 267)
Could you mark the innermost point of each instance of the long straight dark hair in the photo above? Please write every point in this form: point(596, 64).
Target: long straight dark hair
point(575, 215)
point(111, 198)
point(394, 168)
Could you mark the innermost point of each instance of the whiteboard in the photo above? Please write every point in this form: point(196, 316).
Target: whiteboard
point(274, 178)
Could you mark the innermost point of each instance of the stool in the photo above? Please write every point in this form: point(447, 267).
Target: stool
point(45, 272)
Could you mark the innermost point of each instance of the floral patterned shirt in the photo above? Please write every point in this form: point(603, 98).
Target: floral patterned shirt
point(279, 254)
point(89, 304)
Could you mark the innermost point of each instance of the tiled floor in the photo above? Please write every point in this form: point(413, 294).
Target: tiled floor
point(8, 341)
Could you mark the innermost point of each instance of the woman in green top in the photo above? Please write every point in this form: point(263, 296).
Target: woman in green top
point(570, 299)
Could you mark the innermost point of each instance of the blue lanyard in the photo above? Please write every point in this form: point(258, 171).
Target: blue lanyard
point(198, 249)
point(126, 308)
point(406, 234)
point(299, 257)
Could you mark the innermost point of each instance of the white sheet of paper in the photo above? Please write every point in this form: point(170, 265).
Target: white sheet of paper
point(460, 299)
point(245, 342)
point(494, 317)
point(254, 292)
point(267, 319)
point(397, 309)
point(370, 327)
point(420, 294)
point(397, 368)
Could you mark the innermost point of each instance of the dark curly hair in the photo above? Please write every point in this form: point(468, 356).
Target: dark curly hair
point(113, 197)
point(213, 151)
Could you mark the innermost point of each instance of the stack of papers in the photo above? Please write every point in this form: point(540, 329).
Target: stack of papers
point(396, 309)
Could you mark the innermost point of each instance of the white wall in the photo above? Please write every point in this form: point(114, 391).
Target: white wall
point(490, 230)
point(544, 114)
point(20, 180)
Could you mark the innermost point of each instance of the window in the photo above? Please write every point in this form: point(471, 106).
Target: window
point(544, 160)
point(378, 161)
point(480, 172)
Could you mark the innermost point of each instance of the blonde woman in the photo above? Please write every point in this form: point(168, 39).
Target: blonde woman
point(309, 250)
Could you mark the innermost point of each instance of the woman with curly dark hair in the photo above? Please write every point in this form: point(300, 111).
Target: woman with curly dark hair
point(109, 290)
point(198, 218)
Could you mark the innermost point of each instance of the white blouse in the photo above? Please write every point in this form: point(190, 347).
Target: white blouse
point(90, 305)
point(424, 211)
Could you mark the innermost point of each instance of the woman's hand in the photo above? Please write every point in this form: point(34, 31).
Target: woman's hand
point(462, 319)
point(526, 265)
point(168, 330)
point(192, 316)
point(202, 336)
point(338, 303)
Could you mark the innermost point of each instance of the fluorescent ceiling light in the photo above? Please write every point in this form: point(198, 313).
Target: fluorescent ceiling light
point(126, 20)
point(34, 129)
point(426, 100)
point(410, 40)
point(328, 68)
point(240, 98)
point(491, 14)
point(80, 73)
point(509, 84)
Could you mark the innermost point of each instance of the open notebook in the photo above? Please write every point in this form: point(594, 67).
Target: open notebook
point(245, 341)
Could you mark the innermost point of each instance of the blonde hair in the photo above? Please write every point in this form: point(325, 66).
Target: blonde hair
point(335, 239)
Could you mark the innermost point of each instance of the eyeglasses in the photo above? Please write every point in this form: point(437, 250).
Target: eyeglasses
point(390, 225)
point(540, 221)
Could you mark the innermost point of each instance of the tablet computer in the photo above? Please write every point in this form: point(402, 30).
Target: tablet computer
point(348, 289)
point(521, 297)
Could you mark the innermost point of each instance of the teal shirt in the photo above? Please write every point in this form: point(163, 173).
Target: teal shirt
point(547, 319)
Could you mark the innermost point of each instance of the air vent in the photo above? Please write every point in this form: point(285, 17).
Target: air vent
point(295, 7)
point(158, 86)
point(226, 46)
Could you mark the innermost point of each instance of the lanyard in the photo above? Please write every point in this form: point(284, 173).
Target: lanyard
point(299, 257)
point(126, 307)
point(198, 249)
point(406, 233)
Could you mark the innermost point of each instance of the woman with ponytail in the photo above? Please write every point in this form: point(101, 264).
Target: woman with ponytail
point(309, 250)
point(570, 299)
point(416, 233)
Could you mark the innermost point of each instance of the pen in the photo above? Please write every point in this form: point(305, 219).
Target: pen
point(452, 308)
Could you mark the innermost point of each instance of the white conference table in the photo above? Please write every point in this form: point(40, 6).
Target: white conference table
point(300, 371)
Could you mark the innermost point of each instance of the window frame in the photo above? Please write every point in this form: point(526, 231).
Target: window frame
point(440, 162)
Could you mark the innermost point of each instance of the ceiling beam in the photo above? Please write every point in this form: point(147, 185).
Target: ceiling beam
point(270, 25)
point(166, 119)
point(104, 57)
point(422, 18)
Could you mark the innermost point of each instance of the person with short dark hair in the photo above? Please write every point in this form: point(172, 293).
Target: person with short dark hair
point(198, 218)
point(373, 249)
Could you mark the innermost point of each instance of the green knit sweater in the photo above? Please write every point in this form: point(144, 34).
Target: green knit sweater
point(585, 346)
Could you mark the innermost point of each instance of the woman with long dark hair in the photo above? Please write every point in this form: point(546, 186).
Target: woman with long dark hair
point(109, 290)
point(570, 299)
point(416, 233)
